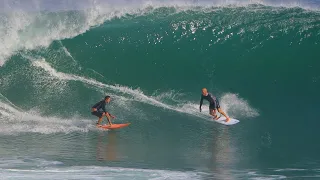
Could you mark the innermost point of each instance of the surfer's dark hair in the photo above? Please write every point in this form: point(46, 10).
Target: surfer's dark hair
point(107, 97)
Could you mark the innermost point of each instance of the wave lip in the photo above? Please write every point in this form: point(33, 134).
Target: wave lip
point(22, 30)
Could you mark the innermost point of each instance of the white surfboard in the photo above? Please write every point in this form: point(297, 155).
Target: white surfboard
point(222, 120)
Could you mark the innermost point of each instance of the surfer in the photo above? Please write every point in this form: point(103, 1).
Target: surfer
point(99, 110)
point(214, 104)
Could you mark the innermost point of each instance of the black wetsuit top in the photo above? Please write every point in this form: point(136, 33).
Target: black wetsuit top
point(100, 106)
point(214, 103)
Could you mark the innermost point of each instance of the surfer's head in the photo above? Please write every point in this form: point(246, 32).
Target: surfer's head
point(204, 91)
point(107, 99)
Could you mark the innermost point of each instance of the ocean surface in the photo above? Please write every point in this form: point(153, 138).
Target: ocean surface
point(260, 58)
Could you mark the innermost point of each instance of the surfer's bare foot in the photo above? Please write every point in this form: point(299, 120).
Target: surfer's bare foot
point(228, 119)
point(214, 117)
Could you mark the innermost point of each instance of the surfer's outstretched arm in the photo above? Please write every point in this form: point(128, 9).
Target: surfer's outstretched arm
point(201, 101)
point(111, 115)
point(108, 118)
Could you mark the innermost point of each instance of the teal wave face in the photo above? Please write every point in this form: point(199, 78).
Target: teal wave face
point(258, 56)
point(262, 62)
point(224, 49)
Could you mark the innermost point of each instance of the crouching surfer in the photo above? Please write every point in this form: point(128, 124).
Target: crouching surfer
point(214, 104)
point(99, 110)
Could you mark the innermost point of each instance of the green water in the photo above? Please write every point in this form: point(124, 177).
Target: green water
point(262, 63)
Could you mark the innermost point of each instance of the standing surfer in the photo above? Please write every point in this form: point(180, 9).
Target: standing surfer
point(214, 104)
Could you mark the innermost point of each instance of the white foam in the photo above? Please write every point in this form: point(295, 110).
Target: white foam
point(23, 162)
point(290, 169)
point(237, 106)
point(94, 172)
point(29, 168)
point(136, 94)
point(23, 29)
point(231, 104)
point(256, 176)
point(13, 122)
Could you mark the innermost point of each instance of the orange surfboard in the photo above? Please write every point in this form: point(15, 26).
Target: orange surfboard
point(113, 126)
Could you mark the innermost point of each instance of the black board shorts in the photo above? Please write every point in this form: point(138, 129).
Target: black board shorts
point(217, 106)
point(97, 113)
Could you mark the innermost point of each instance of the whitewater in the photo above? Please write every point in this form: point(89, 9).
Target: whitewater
point(260, 58)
